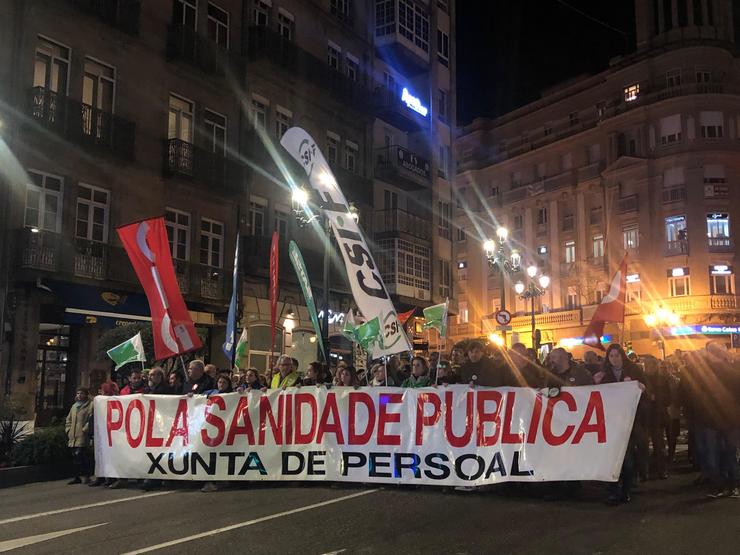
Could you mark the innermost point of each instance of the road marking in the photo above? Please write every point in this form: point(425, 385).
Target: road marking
point(80, 507)
point(248, 523)
point(30, 540)
point(335, 552)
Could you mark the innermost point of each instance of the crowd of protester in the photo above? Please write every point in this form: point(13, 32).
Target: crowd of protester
point(700, 389)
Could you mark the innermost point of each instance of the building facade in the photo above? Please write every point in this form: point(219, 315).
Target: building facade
point(641, 160)
point(120, 110)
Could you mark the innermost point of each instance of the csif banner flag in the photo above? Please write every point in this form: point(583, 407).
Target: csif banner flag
point(296, 258)
point(450, 436)
point(149, 251)
point(228, 345)
point(367, 286)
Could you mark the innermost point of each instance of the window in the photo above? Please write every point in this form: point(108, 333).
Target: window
point(44, 202)
point(516, 179)
point(332, 147)
point(679, 284)
point(673, 78)
point(259, 111)
point(542, 215)
point(282, 217)
point(630, 237)
point(342, 9)
point(568, 222)
point(718, 229)
point(722, 280)
point(570, 252)
point(51, 67)
point(711, 125)
point(631, 92)
point(214, 125)
point(443, 47)
point(461, 234)
point(462, 315)
point(257, 208)
point(676, 236)
point(594, 153)
point(715, 184)
point(703, 76)
point(670, 129)
point(211, 243)
point(413, 23)
point(548, 130)
point(93, 209)
point(334, 54)
point(286, 22)
point(462, 270)
point(444, 162)
point(634, 289)
point(566, 162)
point(444, 220)
point(445, 278)
point(385, 17)
point(495, 190)
point(283, 121)
point(460, 201)
point(595, 216)
point(98, 95)
point(180, 125)
point(218, 26)
point(185, 13)
point(352, 67)
point(442, 104)
point(262, 12)
point(351, 156)
point(571, 298)
point(601, 109)
point(598, 246)
point(518, 222)
point(177, 223)
point(573, 118)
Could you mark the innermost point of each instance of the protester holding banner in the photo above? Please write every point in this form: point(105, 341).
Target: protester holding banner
point(157, 384)
point(223, 385)
point(287, 375)
point(481, 370)
point(445, 373)
point(135, 384)
point(419, 374)
point(347, 376)
point(198, 381)
point(251, 380)
point(527, 373)
point(378, 372)
point(457, 358)
point(566, 371)
point(79, 433)
point(176, 382)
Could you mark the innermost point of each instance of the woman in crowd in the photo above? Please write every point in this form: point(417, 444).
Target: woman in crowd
point(619, 368)
point(314, 374)
point(419, 373)
point(347, 376)
point(378, 372)
point(223, 385)
point(252, 380)
point(445, 373)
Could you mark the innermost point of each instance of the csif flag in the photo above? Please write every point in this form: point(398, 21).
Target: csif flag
point(436, 317)
point(610, 309)
point(149, 251)
point(131, 350)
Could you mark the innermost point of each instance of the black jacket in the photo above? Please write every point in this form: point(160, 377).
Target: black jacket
point(200, 386)
point(486, 372)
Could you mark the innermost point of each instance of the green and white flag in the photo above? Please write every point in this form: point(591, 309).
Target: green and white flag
point(296, 258)
point(436, 317)
point(242, 350)
point(131, 350)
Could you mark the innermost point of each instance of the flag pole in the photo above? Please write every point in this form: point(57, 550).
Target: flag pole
point(237, 296)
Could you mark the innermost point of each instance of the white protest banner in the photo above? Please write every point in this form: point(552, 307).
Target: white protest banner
point(455, 435)
point(367, 286)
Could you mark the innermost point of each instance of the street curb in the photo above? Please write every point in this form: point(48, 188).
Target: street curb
point(19, 475)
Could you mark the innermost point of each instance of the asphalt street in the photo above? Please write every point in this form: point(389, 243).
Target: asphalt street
point(669, 516)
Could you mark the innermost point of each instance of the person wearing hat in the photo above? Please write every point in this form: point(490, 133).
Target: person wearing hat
point(79, 431)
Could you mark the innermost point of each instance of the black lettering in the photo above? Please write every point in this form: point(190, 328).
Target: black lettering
point(209, 469)
point(470, 457)
point(232, 460)
point(497, 465)
point(349, 234)
point(375, 464)
point(360, 461)
point(185, 464)
point(429, 460)
point(515, 467)
point(379, 292)
point(399, 465)
point(155, 463)
point(287, 455)
point(358, 255)
point(314, 463)
point(327, 203)
point(253, 462)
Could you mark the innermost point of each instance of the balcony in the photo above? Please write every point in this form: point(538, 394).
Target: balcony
point(267, 45)
point(185, 44)
point(182, 274)
point(390, 223)
point(90, 259)
point(565, 179)
point(390, 108)
point(596, 261)
point(591, 171)
point(211, 281)
point(567, 268)
point(674, 194)
point(39, 250)
point(563, 318)
point(719, 244)
point(674, 248)
point(403, 168)
point(628, 204)
point(121, 14)
point(355, 187)
point(83, 124)
point(399, 51)
point(186, 160)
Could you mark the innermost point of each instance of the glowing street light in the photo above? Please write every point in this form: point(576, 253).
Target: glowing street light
point(489, 246)
point(659, 318)
point(502, 233)
point(300, 196)
point(519, 288)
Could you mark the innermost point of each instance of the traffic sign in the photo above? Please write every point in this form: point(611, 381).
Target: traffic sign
point(504, 328)
point(503, 317)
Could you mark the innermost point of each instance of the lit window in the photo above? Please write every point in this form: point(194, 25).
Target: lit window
point(631, 92)
point(44, 201)
point(598, 246)
point(462, 315)
point(722, 279)
point(676, 234)
point(631, 237)
point(679, 282)
point(718, 229)
point(570, 252)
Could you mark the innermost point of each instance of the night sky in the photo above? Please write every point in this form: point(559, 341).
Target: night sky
point(509, 50)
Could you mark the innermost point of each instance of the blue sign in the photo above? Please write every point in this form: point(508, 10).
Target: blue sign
point(705, 329)
point(413, 102)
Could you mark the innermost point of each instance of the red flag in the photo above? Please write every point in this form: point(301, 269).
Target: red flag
point(611, 308)
point(149, 251)
point(404, 316)
point(273, 285)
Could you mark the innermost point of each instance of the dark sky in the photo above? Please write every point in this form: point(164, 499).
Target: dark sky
point(509, 50)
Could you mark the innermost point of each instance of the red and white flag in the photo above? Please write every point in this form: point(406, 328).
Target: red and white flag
point(149, 251)
point(273, 285)
point(611, 308)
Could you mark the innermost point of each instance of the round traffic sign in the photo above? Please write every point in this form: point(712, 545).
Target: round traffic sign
point(503, 317)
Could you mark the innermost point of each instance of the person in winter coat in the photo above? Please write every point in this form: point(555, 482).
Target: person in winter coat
point(157, 384)
point(198, 381)
point(251, 381)
point(566, 372)
point(378, 372)
point(79, 432)
point(419, 374)
point(223, 386)
point(136, 384)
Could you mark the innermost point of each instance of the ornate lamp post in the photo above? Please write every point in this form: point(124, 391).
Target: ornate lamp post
point(503, 258)
point(658, 319)
point(535, 287)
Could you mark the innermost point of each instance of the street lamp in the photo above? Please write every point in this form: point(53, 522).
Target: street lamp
point(532, 290)
point(660, 318)
point(503, 258)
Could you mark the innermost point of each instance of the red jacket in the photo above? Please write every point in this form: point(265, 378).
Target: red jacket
point(128, 390)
